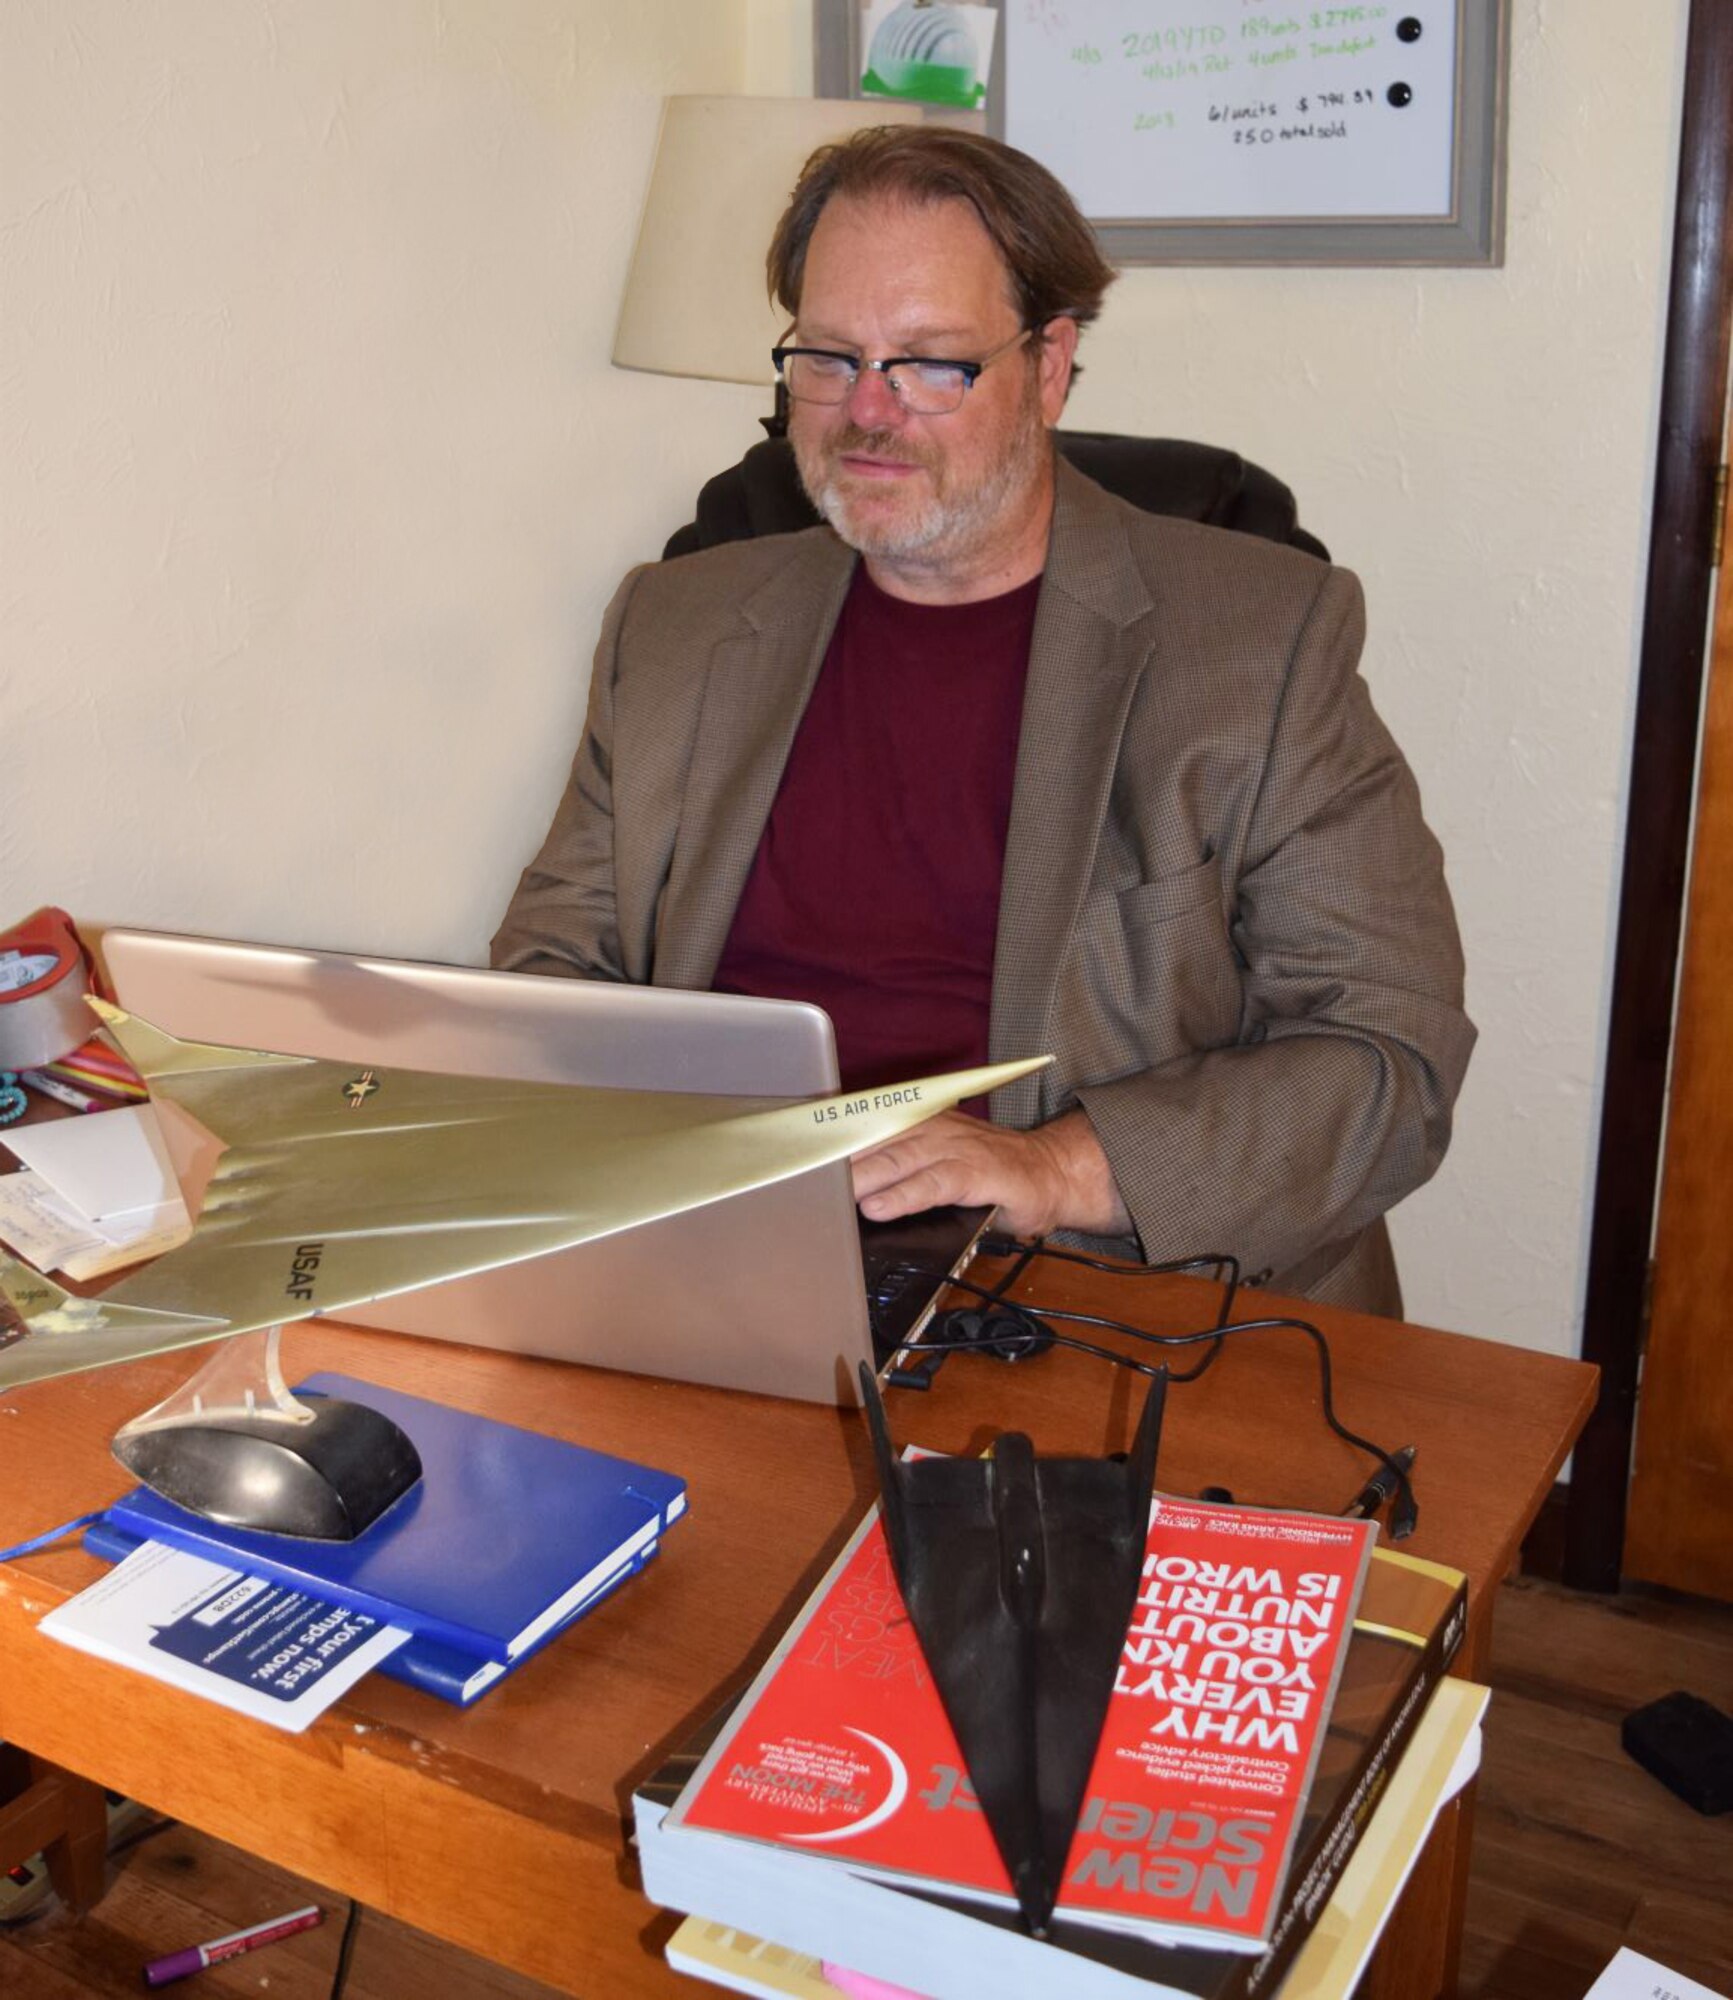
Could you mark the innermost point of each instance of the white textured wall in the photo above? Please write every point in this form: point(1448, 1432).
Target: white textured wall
point(314, 478)
point(314, 474)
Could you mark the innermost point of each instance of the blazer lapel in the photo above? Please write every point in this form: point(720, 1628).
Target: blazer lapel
point(1091, 640)
point(761, 674)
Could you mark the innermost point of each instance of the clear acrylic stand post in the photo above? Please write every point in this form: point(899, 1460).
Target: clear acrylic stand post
point(243, 1378)
point(235, 1445)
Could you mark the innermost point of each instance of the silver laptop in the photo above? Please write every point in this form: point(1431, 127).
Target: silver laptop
point(764, 1291)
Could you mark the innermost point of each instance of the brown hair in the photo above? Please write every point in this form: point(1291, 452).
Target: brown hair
point(1055, 265)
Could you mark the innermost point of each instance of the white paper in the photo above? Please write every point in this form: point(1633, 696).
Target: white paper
point(38, 1225)
point(1631, 1976)
point(158, 1591)
point(111, 1163)
point(130, 1239)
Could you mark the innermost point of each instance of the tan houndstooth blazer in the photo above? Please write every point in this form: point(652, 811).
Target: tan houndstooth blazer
point(1221, 910)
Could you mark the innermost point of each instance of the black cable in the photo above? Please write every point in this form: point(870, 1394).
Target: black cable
point(1023, 1254)
point(1225, 1267)
point(1404, 1513)
point(344, 1948)
point(1037, 1331)
point(1218, 1261)
point(1032, 1326)
point(989, 1344)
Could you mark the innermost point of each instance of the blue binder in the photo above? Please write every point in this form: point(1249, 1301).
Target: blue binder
point(505, 1537)
point(460, 1677)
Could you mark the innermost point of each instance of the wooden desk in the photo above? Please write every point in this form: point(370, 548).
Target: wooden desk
point(407, 1803)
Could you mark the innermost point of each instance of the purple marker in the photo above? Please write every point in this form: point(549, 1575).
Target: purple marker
point(182, 1964)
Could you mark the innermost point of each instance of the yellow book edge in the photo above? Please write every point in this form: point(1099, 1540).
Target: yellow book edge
point(1434, 1767)
point(1440, 1759)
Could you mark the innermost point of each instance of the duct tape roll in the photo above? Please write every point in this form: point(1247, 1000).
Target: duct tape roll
point(44, 977)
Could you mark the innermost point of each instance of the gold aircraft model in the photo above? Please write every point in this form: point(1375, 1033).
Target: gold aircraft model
point(341, 1184)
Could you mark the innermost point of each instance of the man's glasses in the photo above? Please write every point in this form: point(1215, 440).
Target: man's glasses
point(925, 388)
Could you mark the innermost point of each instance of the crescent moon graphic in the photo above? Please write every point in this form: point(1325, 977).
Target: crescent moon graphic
point(898, 1792)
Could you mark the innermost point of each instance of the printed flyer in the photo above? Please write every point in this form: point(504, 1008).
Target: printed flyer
point(274, 1653)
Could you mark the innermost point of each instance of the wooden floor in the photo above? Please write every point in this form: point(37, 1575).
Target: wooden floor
point(1577, 1851)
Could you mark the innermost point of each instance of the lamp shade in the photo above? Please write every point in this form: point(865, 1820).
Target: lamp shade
point(695, 297)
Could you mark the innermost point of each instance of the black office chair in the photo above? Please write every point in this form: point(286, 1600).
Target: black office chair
point(762, 495)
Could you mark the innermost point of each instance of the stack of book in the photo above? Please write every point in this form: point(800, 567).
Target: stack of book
point(1275, 1671)
point(508, 1538)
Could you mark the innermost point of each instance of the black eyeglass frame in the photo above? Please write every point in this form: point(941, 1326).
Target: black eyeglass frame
point(970, 371)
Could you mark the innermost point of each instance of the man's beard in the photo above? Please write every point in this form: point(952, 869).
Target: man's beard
point(942, 523)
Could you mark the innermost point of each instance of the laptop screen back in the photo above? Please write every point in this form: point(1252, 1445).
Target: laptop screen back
point(763, 1291)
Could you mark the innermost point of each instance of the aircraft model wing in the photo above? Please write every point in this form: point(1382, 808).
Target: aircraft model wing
point(342, 1184)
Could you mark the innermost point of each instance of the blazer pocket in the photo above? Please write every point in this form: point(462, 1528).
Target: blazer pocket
point(1171, 895)
point(1151, 975)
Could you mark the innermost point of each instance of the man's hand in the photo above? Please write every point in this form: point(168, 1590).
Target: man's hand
point(1055, 1177)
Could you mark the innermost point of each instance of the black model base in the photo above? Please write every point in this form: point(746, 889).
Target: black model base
point(326, 1480)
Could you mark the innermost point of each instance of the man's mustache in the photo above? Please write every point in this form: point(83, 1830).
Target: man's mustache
point(857, 443)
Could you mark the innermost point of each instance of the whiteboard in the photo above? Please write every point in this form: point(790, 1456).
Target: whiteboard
point(1214, 110)
point(1251, 131)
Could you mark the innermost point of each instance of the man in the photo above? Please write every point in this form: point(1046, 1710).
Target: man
point(994, 765)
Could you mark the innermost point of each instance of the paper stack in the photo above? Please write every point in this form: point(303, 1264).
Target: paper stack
point(94, 1193)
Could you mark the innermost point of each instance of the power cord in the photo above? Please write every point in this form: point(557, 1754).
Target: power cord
point(1013, 1331)
point(345, 1947)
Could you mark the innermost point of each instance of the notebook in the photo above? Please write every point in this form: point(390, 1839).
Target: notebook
point(765, 1291)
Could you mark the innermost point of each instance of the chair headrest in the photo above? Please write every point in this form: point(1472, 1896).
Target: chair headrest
point(762, 495)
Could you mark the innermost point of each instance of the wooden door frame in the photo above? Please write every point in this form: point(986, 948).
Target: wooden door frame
point(1664, 757)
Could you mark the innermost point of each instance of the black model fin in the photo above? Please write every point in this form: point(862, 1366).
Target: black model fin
point(891, 1506)
point(1020, 1575)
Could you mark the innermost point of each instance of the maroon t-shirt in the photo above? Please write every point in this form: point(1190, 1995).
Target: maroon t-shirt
point(875, 890)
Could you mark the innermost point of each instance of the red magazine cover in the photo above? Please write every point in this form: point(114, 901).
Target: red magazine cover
point(842, 1748)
